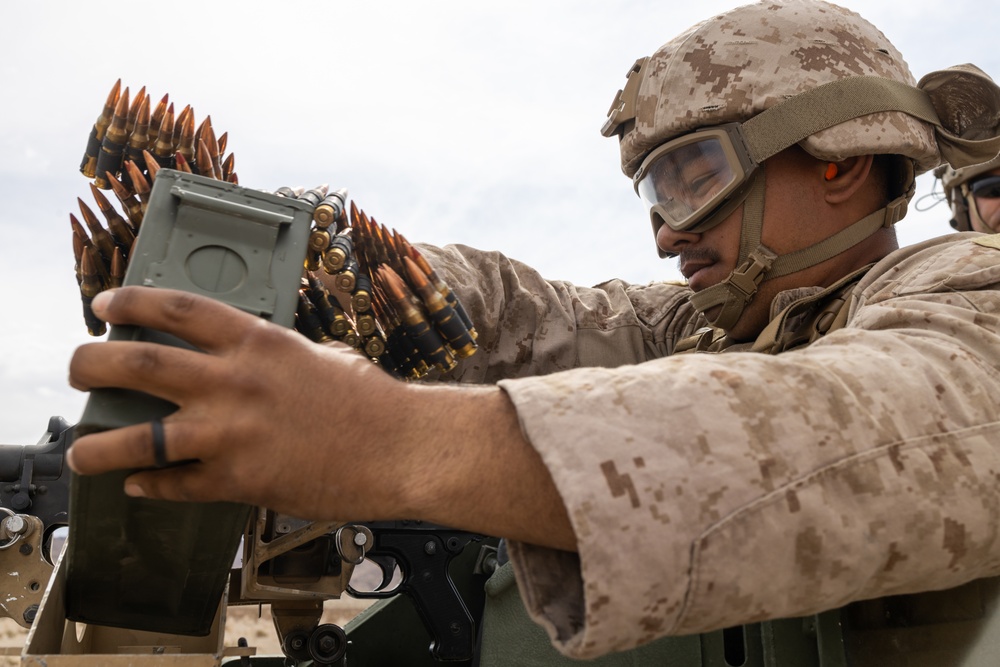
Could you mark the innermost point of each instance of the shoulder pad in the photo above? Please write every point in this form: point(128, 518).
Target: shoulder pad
point(990, 241)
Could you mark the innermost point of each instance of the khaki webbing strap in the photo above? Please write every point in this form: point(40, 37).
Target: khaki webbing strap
point(839, 242)
point(790, 121)
point(837, 298)
point(708, 298)
point(738, 288)
point(735, 292)
point(753, 215)
point(699, 341)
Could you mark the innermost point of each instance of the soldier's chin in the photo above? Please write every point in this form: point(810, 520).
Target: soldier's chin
point(993, 224)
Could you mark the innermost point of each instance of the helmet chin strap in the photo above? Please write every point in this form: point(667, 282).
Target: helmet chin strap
point(758, 263)
point(737, 290)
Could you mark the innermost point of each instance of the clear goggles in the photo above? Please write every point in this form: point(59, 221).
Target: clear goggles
point(684, 182)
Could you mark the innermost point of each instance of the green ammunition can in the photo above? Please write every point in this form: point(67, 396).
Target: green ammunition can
point(156, 565)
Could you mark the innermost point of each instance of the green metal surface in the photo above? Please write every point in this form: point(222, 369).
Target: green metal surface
point(154, 565)
point(390, 632)
point(511, 638)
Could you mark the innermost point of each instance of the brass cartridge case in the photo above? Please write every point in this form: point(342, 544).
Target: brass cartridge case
point(346, 278)
point(138, 137)
point(112, 152)
point(88, 166)
point(339, 251)
point(445, 319)
point(156, 119)
point(131, 204)
point(330, 209)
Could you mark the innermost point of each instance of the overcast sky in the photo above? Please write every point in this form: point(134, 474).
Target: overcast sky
point(450, 121)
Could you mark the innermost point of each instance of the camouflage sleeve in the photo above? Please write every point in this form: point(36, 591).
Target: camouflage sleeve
point(708, 491)
point(531, 326)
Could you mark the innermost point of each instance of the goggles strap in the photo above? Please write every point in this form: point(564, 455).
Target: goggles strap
point(966, 210)
point(801, 116)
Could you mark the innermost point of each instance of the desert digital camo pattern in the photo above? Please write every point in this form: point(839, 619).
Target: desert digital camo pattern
point(529, 326)
point(951, 178)
point(708, 490)
point(733, 66)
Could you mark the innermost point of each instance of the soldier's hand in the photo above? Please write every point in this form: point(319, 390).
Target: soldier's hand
point(265, 416)
point(268, 418)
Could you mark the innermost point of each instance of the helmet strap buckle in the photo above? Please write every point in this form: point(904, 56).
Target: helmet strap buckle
point(748, 276)
point(895, 211)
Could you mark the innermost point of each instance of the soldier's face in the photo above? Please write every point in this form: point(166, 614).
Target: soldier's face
point(793, 194)
point(985, 212)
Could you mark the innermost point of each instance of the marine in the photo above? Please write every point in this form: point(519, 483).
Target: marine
point(808, 425)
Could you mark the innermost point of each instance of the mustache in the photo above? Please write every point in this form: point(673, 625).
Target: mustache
point(700, 255)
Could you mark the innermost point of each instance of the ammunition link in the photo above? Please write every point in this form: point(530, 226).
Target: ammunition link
point(399, 313)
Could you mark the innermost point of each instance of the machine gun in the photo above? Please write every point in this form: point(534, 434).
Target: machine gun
point(34, 503)
point(152, 577)
point(430, 578)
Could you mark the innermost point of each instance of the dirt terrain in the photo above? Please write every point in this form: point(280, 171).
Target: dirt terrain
point(250, 622)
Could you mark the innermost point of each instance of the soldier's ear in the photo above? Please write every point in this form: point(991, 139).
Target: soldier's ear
point(841, 180)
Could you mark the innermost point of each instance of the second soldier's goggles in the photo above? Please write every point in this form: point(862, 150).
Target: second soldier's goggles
point(986, 188)
point(684, 182)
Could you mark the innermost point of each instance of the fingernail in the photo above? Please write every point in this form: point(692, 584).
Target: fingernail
point(134, 490)
point(102, 300)
point(69, 459)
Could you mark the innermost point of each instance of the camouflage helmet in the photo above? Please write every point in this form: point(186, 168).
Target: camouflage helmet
point(734, 66)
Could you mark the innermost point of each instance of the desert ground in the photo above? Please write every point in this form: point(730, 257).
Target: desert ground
point(250, 622)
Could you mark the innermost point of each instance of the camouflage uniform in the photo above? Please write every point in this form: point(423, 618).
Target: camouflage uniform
point(710, 490)
point(852, 457)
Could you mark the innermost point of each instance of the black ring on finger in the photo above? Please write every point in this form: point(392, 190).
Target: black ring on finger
point(159, 444)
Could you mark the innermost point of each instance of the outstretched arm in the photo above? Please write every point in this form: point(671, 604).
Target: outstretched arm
point(363, 446)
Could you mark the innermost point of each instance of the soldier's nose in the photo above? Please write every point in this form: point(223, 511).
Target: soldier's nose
point(671, 241)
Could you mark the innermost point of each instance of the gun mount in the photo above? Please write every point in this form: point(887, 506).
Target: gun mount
point(33, 504)
point(430, 588)
point(154, 579)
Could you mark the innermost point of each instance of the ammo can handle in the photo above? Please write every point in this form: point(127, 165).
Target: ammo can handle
point(272, 218)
